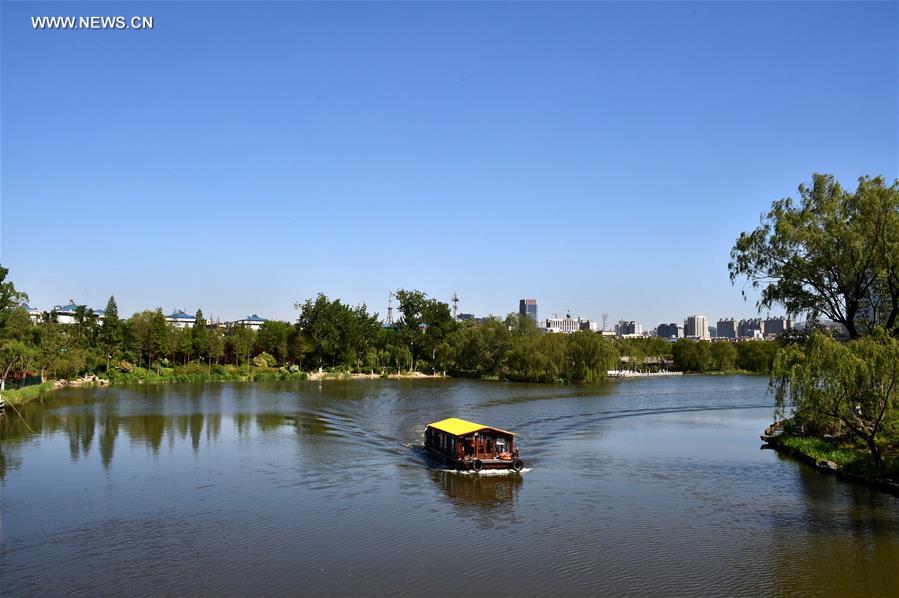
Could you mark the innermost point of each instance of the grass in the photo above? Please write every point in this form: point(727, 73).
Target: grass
point(853, 459)
point(17, 397)
point(200, 373)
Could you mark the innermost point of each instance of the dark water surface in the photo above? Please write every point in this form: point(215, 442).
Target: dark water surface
point(642, 486)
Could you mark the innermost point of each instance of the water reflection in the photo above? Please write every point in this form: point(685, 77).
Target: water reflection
point(479, 492)
point(847, 526)
point(654, 487)
point(89, 424)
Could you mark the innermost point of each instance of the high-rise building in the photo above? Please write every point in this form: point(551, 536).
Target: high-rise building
point(696, 327)
point(628, 328)
point(588, 325)
point(751, 328)
point(671, 330)
point(775, 326)
point(727, 329)
point(528, 307)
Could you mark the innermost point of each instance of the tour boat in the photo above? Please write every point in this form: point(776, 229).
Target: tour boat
point(468, 446)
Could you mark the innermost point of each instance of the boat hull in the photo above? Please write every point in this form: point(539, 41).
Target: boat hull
point(471, 464)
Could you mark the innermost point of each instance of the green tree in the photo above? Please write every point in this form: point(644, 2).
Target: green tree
point(241, 340)
point(424, 323)
point(273, 337)
point(723, 356)
point(199, 336)
point(110, 336)
point(691, 355)
point(334, 333)
point(137, 336)
point(756, 356)
point(50, 346)
point(15, 357)
point(590, 356)
point(833, 253)
point(216, 346)
point(854, 385)
point(158, 336)
point(10, 299)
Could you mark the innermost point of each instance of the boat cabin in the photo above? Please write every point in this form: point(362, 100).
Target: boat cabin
point(471, 446)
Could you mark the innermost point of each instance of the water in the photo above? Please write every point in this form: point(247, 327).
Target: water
point(641, 486)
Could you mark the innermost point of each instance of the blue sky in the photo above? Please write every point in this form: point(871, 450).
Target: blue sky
point(600, 157)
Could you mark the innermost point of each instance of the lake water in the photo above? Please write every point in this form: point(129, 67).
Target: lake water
point(641, 486)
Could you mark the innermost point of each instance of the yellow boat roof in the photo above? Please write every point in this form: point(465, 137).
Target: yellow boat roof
point(460, 427)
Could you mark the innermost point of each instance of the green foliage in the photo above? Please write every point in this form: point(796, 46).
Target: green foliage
point(850, 457)
point(692, 355)
point(756, 356)
point(10, 299)
point(199, 336)
point(240, 340)
point(842, 387)
point(264, 360)
point(832, 253)
point(424, 324)
point(334, 333)
point(15, 397)
point(110, 337)
point(723, 356)
point(276, 337)
point(16, 357)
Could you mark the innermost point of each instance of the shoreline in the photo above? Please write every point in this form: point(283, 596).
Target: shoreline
point(776, 442)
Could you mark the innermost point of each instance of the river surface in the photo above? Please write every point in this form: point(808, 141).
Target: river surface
point(641, 486)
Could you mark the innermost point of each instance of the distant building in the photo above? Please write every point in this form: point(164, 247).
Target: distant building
point(588, 325)
point(727, 329)
point(773, 327)
point(528, 307)
point(628, 328)
point(696, 327)
point(565, 325)
point(179, 319)
point(751, 328)
point(36, 315)
point(253, 322)
point(67, 314)
point(671, 330)
point(489, 318)
point(465, 317)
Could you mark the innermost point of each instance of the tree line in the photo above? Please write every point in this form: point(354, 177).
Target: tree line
point(329, 334)
point(834, 253)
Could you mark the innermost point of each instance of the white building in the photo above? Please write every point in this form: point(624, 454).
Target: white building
point(253, 322)
point(179, 319)
point(696, 327)
point(36, 315)
point(66, 314)
point(565, 325)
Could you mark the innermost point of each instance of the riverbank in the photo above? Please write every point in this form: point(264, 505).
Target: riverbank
point(838, 458)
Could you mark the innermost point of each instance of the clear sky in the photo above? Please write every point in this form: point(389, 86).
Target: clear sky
point(601, 157)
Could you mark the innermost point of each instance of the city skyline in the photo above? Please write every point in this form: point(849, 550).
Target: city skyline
point(644, 326)
point(601, 157)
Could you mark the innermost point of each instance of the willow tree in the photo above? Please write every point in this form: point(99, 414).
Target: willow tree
point(832, 253)
point(849, 387)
